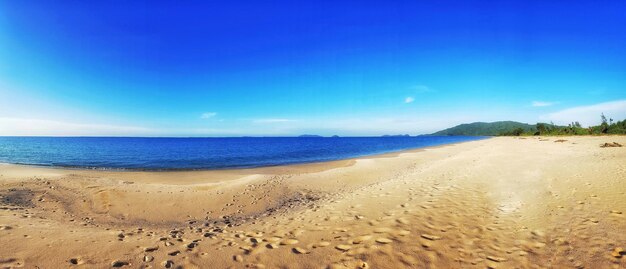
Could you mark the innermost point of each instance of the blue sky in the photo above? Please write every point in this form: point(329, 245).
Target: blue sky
point(286, 68)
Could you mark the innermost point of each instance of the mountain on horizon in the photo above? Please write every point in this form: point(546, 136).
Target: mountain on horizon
point(486, 128)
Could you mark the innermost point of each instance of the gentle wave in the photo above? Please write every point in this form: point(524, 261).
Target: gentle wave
point(126, 153)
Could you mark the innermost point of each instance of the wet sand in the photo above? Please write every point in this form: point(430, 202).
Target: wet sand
point(498, 203)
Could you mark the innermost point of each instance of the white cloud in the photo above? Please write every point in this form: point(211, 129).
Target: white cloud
point(409, 100)
point(272, 120)
point(208, 115)
point(588, 115)
point(542, 103)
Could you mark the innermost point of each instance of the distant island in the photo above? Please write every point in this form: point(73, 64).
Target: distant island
point(398, 135)
point(513, 128)
point(309, 135)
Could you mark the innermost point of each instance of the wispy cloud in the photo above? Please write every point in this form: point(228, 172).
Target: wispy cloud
point(44, 127)
point(393, 124)
point(409, 100)
point(422, 89)
point(543, 103)
point(40, 127)
point(277, 120)
point(208, 115)
point(588, 115)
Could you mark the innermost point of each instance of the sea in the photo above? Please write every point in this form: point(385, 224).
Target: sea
point(152, 153)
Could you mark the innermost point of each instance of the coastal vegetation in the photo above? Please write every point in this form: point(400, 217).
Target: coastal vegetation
point(512, 128)
point(607, 126)
point(486, 128)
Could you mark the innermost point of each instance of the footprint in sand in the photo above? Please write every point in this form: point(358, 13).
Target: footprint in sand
point(496, 259)
point(76, 261)
point(168, 264)
point(321, 244)
point(403, 233)
point(148, 258)
point(361, 239)
point(430, 237)
point(117, 264)
point(381, 230)
point(299, 250)
point(289, 242)
point(402, 221)
point(11, 263)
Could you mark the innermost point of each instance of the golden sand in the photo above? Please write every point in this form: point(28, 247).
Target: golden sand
point(496, 203)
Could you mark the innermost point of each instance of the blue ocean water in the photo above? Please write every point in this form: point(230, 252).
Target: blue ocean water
point(201, 153)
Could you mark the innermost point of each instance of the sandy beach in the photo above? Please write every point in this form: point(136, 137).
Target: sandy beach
point(503, 202)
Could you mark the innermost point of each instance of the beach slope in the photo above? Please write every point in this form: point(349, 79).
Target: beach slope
point(500, 203)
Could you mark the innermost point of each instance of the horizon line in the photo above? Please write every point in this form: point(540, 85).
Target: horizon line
point(244, 136)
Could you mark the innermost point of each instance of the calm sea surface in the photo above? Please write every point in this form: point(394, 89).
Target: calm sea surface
point(201, 153)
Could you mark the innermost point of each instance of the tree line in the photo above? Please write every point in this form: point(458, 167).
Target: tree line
point(607, 126)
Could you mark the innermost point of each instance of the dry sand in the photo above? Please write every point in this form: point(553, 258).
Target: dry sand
point(499, 203)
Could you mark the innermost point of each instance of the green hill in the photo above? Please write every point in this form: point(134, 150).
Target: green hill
point(487, 128)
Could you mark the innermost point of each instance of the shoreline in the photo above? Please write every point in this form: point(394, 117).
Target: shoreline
point(253, 170)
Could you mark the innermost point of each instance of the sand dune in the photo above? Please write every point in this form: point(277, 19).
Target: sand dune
point(496, 203)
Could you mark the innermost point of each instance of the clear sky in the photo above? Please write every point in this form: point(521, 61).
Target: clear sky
point(203, 68)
